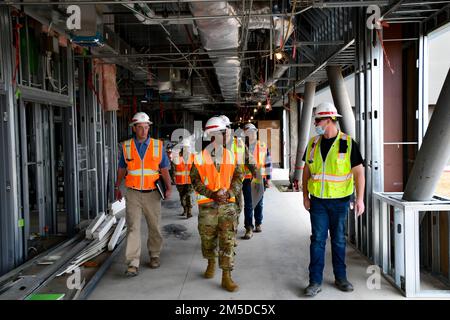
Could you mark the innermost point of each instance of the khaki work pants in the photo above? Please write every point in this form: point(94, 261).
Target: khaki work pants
point(149, 204)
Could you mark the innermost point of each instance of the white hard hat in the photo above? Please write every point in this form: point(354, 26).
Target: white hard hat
point(215, 124)
point(226, 120)
point(326, 110)
point(140, 117)
point(250, 126)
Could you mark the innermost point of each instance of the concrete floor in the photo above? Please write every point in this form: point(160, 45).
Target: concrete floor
point(272, 265)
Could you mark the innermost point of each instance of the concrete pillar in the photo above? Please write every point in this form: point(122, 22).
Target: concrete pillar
point(305, 126)
point(434, 153)
point(293, 134)
point(341, 99)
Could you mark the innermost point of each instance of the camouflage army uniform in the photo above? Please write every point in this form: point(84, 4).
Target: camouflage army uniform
point(217, 222)
point(185, 191)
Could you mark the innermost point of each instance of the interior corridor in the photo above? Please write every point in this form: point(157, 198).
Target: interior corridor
point(272, 265)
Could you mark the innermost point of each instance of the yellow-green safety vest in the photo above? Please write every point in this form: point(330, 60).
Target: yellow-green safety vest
point(331, 178)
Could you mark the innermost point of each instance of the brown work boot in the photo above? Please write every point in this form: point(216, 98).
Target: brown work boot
point(210, 269)
point(258, 228)
point(248, 233)
point(227, 282)
point(188, 213)
point(154, 262)
point(132, 271)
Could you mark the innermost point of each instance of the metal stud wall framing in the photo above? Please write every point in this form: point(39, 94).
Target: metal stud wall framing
point(369, 115)
point(11, 236)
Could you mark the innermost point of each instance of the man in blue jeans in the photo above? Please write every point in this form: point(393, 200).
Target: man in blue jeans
point(333, 167)
point(257, 154)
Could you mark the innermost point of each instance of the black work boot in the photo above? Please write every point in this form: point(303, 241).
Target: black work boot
point(312, 290)
point(343, 285)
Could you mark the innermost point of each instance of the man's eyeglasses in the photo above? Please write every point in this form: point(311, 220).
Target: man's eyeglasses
point(317, 121)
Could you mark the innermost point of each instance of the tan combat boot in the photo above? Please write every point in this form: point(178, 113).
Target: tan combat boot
point(227, 282)
point(248, 233)
point(210, 269)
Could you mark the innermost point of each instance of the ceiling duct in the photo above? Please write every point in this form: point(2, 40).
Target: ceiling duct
point(282, 32)
point(260, 19)
point(220, 34)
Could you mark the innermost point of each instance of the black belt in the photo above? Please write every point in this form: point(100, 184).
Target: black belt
point(144, 191)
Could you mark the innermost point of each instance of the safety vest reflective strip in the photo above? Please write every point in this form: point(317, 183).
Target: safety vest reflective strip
point(332, 178)
point(135, 177)
point(323, 182)
point(145, 172)
point(201, 199)
point(200, 161)
point(261, 153)
point(156, 148)
point(313, 149)
point(128, 149)
point(181, 173)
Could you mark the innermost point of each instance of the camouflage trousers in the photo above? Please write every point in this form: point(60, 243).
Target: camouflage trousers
point(185, 191)
point(239, 202)
point(216, 224)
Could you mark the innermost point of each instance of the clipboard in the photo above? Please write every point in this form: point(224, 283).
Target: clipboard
point(160, 185)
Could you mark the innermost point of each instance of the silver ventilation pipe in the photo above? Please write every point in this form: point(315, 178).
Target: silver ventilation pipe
point(221, 34)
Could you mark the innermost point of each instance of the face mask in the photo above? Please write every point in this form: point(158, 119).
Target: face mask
point(319, 130)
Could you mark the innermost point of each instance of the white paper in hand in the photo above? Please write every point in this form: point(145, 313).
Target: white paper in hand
point(257, 187)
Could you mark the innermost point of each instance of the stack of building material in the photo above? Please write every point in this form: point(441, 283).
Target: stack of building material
point(105, 233)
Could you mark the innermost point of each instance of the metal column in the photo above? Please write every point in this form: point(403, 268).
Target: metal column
point(305, 126)
point(341, 99)
point(11, 223)
point(293, 134)
point(72, 201)
point(434, 152)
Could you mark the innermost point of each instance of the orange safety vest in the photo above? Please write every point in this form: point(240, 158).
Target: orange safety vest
point(142, 173)
point(259, 154)
point(209, 176)
point(183, 170)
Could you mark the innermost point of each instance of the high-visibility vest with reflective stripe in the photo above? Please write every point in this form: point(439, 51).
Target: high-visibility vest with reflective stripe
point(142, 173)
point(331, 178)
point(183, 170)
point(210, 177)
point(238, 148)
point(259, 156)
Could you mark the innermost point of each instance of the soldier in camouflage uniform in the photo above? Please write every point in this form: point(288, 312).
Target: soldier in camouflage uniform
point(241, 153)
point(181, 165)
point(217, 216)
point(185, 191)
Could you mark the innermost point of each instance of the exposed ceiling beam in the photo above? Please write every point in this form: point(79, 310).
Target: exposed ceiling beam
point(315, 4)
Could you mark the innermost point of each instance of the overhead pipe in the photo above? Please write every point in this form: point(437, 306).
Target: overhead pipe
point(341, 99)
point(434, 153)
point(315, 4)
point(293, 134)
point(221, 34)
point(305, 127)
